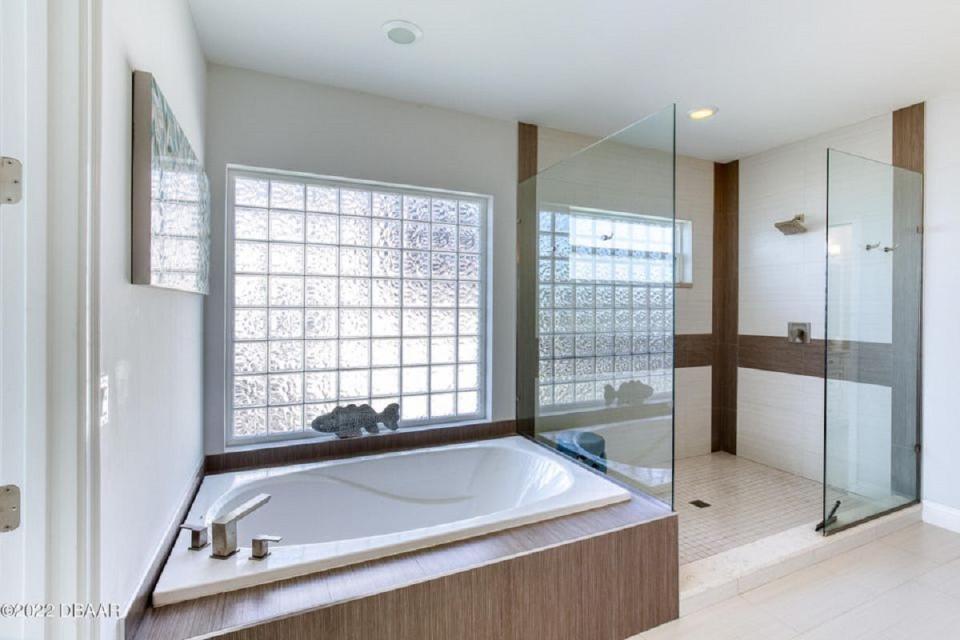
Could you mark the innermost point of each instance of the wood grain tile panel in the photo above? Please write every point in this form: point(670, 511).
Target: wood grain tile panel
point(726, 243)
point(261, 456)
point(592, 588)
point(693, 350)
point(605, 574)
point(908, 132)
point(527, 356)
point(864, 362)
point(527, 149)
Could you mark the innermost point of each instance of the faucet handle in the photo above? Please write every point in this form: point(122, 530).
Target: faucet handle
point(198, 535)
point(261, 546)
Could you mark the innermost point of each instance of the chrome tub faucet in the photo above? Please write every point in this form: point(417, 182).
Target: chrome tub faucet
point(225, 527)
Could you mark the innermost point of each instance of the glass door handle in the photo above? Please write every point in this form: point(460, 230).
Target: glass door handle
point(889, 249)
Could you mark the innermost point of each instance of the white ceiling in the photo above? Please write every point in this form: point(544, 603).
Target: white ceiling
point(780, 70)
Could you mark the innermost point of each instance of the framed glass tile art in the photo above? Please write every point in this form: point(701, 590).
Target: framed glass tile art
point(170, 247)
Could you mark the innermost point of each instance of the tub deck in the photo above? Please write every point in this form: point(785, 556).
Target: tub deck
point(606, 574)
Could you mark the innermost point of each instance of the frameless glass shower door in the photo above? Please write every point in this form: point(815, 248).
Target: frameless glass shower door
point(874, 258)
point(595, 306)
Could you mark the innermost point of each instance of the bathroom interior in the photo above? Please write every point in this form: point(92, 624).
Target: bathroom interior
point(386, 332)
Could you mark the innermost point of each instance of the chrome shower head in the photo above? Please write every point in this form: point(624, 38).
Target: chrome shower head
point(792, 226)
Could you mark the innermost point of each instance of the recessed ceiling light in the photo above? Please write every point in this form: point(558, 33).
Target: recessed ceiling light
point(402, 32)
point(702, 113)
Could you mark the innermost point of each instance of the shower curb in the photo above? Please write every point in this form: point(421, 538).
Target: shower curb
point(711, 580)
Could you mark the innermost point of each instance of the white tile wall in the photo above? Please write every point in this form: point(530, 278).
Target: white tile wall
point(780, 421)
point(693, 390)
point(780, 424)
point(695, 203)
point(782, 277)
point(858, 440)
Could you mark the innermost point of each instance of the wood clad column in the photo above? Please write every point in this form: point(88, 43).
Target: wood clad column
point(726, 243)
point(908, 132)
point(527, 352)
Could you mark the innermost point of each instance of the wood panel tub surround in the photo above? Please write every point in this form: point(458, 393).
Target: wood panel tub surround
point(604, 574)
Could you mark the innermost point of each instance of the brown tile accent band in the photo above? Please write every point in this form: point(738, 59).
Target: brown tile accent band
point(774, 353)
point(726, 275)
point(692, 350)
point(326, 449)
point(604, 574)
point(865, 362)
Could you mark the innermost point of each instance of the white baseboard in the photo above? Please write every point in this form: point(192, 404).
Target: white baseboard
point(941, 515)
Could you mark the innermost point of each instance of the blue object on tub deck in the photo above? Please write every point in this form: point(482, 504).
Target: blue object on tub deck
point(586, 446)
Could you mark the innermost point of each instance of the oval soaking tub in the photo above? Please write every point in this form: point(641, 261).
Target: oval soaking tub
point(339, 512)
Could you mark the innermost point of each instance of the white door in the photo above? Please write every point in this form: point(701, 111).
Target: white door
point(22, 311)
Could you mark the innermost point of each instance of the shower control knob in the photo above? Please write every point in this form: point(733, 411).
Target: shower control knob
point(261, 546)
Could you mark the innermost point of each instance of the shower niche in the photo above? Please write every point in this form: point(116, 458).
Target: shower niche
point(595, 305)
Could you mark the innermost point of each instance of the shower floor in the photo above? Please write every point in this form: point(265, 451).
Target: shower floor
point(748, 501)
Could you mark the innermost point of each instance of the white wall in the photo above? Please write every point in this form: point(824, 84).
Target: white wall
point(268, 121)
point(941, 348)
point(150, 339)
point(780, 416)
point(694, 313)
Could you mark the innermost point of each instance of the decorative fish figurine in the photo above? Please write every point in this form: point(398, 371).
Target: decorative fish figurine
point(633, 392)
point(352, 420)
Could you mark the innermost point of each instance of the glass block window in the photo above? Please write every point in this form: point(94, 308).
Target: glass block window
point(605, 305)
point(352, 293)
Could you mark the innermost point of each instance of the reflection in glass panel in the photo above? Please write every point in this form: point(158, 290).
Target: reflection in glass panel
point(596, 305)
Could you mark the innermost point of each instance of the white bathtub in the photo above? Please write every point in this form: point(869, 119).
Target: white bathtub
point(341, 512)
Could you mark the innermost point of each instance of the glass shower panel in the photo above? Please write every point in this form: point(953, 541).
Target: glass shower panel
point(596, 306)
point(874, 256)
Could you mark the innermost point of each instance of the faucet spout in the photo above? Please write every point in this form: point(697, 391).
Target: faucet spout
point(224, 528)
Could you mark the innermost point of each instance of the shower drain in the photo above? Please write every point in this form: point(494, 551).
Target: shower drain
point(700, 504)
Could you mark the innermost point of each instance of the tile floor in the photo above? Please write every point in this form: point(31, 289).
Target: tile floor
point(748, 501)
point(905, 585)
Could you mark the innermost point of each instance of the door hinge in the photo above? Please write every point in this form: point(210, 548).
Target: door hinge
point(917, 448)
point(9, 507)
point(11, 180)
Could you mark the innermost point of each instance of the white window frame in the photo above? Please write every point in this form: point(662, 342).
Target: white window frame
point(484, 402)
